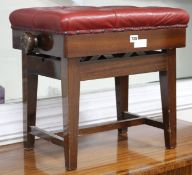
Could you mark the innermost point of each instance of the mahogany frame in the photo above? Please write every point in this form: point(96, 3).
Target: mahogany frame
point(63, 62)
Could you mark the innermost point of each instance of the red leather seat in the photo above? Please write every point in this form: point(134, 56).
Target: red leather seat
point(81, 19)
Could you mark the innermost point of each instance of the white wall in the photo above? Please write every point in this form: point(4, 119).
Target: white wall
point(10, 62)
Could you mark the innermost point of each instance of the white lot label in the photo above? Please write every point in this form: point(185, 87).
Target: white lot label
point(138, 43)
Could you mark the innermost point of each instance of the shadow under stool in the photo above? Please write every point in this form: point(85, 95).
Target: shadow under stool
point(74, 44)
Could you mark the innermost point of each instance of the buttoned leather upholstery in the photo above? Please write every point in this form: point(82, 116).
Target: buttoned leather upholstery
point(82, 19)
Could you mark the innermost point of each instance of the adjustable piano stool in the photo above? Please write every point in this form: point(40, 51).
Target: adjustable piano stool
point(74, 44)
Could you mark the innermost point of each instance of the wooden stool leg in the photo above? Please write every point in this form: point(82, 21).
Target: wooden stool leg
point(70, 93)
point(168, 96)
point(30, 83)
point(121, 88)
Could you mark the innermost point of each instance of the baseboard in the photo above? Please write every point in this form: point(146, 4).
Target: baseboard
point(143, 100)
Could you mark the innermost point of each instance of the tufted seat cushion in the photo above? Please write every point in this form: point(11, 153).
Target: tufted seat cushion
point(82, 19)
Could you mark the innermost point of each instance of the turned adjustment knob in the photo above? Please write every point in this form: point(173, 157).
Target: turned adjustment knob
point(28, 42)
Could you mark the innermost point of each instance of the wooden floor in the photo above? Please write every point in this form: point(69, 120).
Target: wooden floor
point(105, 153)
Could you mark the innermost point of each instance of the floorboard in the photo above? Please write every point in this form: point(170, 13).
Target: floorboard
point(141, 153)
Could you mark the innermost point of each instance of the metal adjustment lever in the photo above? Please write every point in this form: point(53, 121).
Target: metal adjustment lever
point(29, 42)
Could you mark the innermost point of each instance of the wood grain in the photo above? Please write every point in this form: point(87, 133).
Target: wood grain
point(30, 83)
point(72, 70)
point(70, 81)
point(107, 43)
point(168, 98)
point(123, 67)
point(50, 137)
point(119, 42)
point(106, 154)
point(121, 89)
point(45, 66)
